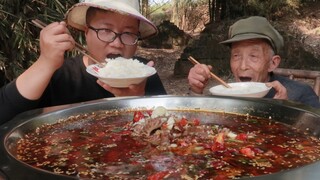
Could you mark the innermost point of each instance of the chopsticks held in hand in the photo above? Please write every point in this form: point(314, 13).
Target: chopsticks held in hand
point(212, 75)
point(78, 47)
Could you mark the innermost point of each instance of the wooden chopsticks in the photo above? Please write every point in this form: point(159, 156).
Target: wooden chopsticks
point(78, 46)
point(212, 75)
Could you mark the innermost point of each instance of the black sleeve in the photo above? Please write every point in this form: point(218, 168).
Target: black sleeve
point(154, 85)
point(309, 97)
point(12, 102)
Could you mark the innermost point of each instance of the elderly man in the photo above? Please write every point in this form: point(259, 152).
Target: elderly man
point(255, 45)
point(112, 28)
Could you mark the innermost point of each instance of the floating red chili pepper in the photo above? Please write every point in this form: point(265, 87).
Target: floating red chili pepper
point(183, 122)
point(196, 122)
point(138, 115)
point(242, 137)
point(247, 152)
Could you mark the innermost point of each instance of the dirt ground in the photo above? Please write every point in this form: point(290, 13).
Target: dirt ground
point(164, 63)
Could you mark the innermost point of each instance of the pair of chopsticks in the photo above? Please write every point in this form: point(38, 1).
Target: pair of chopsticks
point(212, 75)
point(78, 46)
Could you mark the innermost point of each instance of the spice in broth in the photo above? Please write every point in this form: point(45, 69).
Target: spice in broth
point(163, 144)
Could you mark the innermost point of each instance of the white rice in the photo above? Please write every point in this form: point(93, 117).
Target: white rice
point(125, 68)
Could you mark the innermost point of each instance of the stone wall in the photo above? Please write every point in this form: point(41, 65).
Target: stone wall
point(169, 36)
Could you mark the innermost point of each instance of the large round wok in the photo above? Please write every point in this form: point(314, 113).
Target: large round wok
point(297, 115)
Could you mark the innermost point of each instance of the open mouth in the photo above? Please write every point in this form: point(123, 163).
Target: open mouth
point(113, 56)
point(245, 79)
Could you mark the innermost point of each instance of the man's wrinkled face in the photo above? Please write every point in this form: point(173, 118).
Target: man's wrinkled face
point(251, 60)
point(116, 22)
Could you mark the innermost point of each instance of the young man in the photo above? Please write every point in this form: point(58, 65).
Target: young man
point(112, 28)
point(255, 47)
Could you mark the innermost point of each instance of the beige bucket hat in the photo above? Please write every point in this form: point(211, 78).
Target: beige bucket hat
point(76, 15)
point(255, 27)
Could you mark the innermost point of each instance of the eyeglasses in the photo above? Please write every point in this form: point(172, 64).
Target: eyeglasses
point(108, 36)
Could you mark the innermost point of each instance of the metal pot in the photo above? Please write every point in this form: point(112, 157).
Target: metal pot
point(297, 115)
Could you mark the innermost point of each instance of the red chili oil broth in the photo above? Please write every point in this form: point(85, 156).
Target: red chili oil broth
point(101, 145)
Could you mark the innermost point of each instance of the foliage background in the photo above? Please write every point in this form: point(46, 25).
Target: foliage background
point(19, 37)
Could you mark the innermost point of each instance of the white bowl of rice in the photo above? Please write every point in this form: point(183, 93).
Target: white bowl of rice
point(242, 89)
point(121, 72)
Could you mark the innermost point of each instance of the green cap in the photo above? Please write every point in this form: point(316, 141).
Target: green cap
point(255, 27)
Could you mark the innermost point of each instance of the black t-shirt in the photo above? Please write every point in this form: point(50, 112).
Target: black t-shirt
point(69, 84)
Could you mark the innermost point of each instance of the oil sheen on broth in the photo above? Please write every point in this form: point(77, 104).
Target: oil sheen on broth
point(142, 144)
